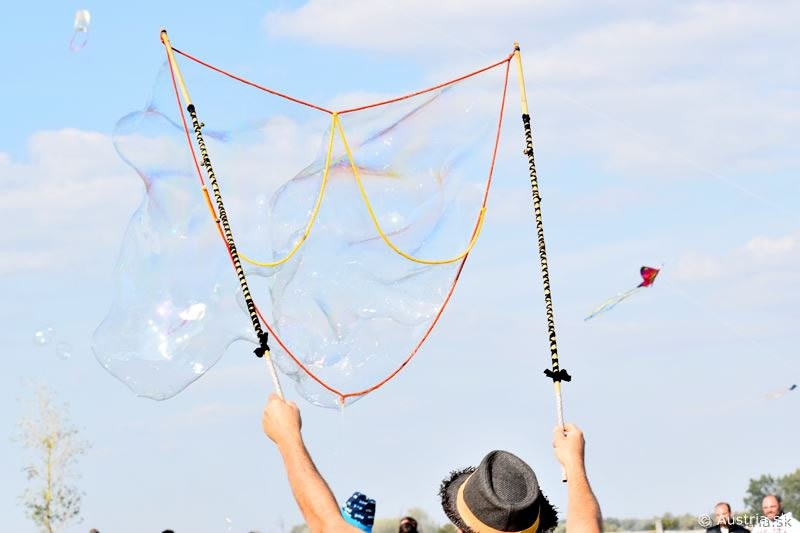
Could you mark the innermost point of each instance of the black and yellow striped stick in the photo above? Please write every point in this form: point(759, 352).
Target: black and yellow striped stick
point(556, 373)
point(263, 348)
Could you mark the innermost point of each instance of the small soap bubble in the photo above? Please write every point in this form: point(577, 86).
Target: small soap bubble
point(64, 350)
point(43, 335)
point(80, 33)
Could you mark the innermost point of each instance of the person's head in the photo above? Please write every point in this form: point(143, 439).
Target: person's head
point(771, 506)
point(723, 512)
point(501, 494)
point(407, 525)
point(167, 531)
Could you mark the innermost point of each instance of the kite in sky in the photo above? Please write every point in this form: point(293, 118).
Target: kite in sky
point(774, 395)
point(649, 275)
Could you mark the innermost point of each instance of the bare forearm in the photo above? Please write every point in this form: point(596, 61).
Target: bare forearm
point(583, 511)
point(314, 497)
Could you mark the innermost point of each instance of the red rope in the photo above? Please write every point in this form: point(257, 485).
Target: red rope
point(463, 261)
point(194, 156)
point(419, 344)
point(274, 334)
point(497, 136)
point(296, 100)
point(224, 240)
point(185, 126)
point(250, 83)
point(445, 84)
point(294, 358)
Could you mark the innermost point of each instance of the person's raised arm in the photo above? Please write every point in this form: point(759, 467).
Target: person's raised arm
point(583, 511)
point(281, 423)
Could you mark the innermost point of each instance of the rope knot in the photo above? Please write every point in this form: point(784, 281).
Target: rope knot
point(263, 347)
point(561, 375)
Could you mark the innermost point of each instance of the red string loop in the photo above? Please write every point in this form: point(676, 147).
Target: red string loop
point(342, 395)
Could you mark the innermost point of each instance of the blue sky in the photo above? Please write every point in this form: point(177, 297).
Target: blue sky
point(665, 134)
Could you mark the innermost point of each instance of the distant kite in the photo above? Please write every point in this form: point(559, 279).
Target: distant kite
point(80, 32)
point(649, 275)
point(774, 395)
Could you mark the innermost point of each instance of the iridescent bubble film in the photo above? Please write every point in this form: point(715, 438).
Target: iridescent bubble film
point(346, 305)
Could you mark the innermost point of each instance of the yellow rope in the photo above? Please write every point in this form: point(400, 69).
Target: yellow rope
point(389, 243)
point(337, 125)
point(313, 214)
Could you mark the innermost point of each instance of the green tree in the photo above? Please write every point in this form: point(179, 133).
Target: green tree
point(669, 522)
point(52, 502)
point(787, 487)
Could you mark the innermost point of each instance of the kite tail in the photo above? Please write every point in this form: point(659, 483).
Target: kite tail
point(612, 302)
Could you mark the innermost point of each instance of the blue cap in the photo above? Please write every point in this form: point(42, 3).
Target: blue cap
point(359, 511)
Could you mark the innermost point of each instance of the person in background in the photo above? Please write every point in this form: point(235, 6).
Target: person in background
point(725, 521)
point(407, 525)
point(774, 519)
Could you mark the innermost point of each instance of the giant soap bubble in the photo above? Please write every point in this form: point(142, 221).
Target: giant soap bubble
point(348, 307)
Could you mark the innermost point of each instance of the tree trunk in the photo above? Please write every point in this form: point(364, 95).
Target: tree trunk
point(48, 495)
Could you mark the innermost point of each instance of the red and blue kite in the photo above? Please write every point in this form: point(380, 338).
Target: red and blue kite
point(649, 275)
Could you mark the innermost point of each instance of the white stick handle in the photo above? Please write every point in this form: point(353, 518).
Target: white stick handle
point(560, 413)
point(274, 374)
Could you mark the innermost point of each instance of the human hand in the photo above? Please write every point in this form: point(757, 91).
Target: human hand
point(569, 444)
point(281, 419)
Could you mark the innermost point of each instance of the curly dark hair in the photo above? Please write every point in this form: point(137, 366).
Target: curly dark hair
point(548, 515)
point(448, 505)
point(408, 524)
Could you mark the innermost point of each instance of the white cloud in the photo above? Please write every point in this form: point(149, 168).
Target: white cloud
point(676, 90)
point(14, 260)
point(388, 26)
point(593, 35)
point(69, 200)
point(758, 274)
point(697, 266)
point(764, 247)
point(66, 205)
